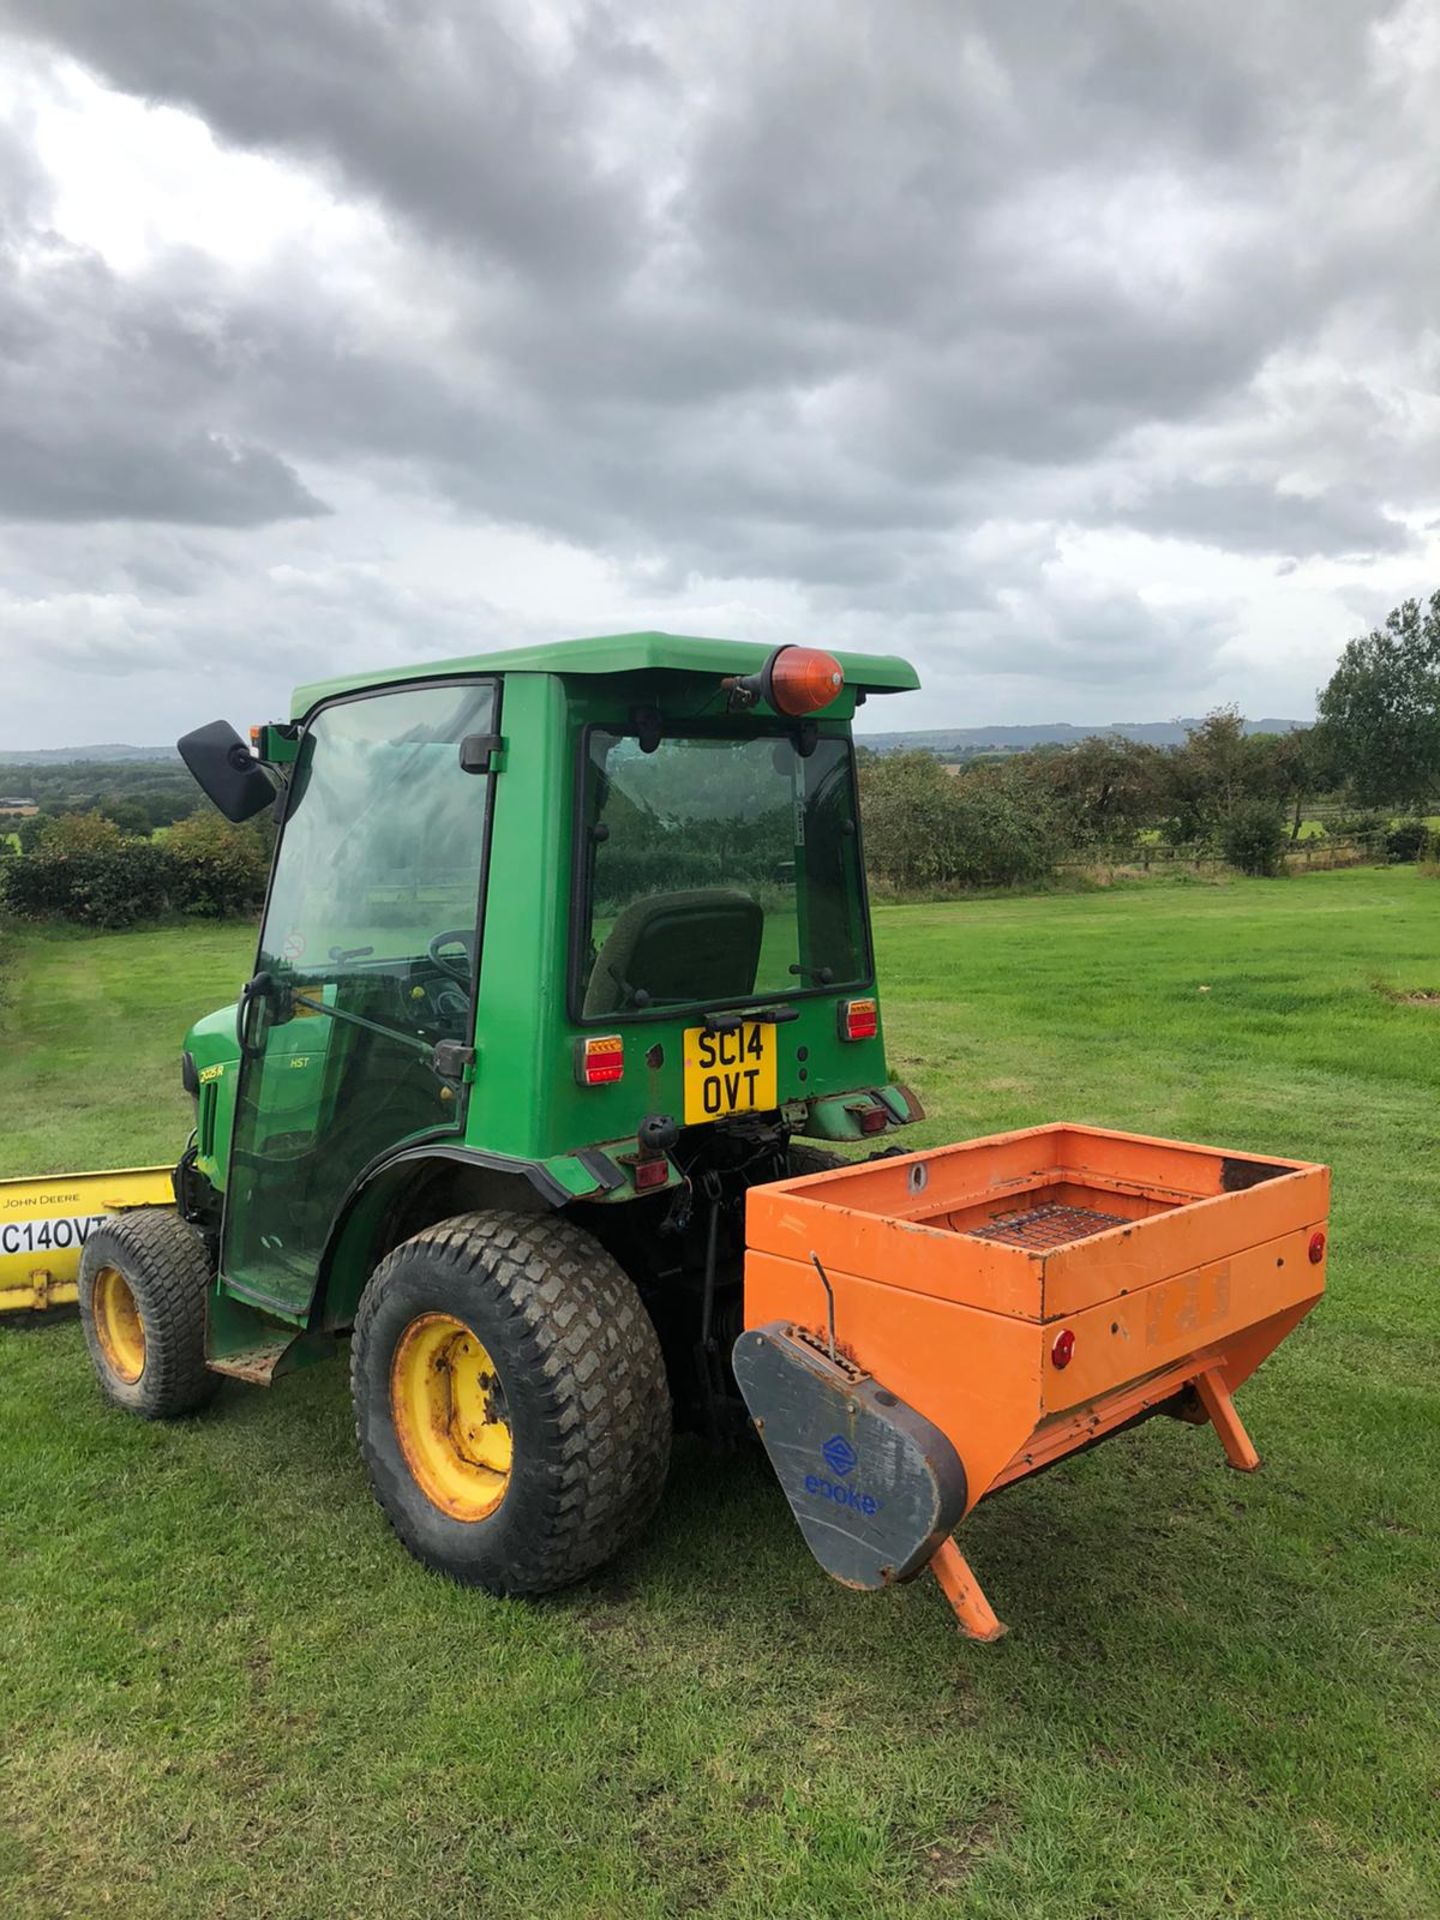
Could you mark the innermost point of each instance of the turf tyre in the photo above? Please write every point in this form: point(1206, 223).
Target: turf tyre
point(802, 1160)
point(585, 1391)
point(164, 1264)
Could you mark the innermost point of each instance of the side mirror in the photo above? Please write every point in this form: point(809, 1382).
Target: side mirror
point(227, 771)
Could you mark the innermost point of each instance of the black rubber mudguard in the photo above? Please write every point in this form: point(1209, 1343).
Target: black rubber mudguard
point(875, 1486)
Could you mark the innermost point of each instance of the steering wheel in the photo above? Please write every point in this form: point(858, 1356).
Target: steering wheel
point(459, 967)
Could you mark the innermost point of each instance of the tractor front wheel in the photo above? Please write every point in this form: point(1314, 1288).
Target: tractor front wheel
point(510, 1400)
point(144, 1277)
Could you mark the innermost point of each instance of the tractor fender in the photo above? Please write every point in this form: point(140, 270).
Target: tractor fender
point(411, 1187)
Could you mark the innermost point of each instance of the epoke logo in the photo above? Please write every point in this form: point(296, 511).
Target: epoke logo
point(842, 1460)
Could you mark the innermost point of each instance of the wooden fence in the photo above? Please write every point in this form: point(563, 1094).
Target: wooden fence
point(1319, 854)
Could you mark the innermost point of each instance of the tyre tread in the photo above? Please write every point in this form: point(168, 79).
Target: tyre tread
point(575, 1320)
point(168, 1270)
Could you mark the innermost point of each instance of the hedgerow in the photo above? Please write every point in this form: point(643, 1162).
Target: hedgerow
point(84, 869)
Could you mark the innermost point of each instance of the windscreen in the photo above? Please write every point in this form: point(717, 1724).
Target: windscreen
point(717, 869)
point(383, 844)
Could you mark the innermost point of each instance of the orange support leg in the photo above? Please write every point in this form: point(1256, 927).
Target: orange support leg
point(1215, 1398)
point(962, 1590)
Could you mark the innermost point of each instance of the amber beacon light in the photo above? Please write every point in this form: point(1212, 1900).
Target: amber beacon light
point(793, 681)
point(802, 680)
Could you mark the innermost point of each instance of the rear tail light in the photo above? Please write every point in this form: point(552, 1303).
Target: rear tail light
point(874, 1120)
point(859, 1019)
point(802, 680)
point(650, 1173)
point(600, 1062)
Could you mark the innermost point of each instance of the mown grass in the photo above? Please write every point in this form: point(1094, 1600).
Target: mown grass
point(228, 1692)
point(91, 1030)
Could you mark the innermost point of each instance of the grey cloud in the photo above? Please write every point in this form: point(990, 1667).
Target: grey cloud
point(439, 112)
point(850, 210)
point(113, 403)
point(1245, 517)
point(1053, 633)
point(199, 477)
point(806, 293)
point(23, 186)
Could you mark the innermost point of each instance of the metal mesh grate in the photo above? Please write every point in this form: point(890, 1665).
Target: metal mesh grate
point(1044, 1227)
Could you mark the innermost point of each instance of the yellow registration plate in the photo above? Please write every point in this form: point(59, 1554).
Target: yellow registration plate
point(729, 1072)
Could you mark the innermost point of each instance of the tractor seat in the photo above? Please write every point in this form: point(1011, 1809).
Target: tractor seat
point(701, 944)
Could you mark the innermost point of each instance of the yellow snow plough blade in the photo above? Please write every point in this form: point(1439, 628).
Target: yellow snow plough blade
point(45, 1223)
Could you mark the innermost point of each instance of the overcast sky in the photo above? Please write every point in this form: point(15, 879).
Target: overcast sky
point(1087, 353)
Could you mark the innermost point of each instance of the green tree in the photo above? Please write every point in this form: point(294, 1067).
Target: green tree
point(1381, 709)
point(1288, 768)
point(67, 833)
point(1216, 772)
point(129, 815)
point(1224, 767)
point(29, 830)
point(906, 802)
point(218, 868)
point(926, 827)
point(1105, 789)
point(1252, 837)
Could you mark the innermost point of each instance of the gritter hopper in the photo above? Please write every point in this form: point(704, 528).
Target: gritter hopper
point(924, 1328)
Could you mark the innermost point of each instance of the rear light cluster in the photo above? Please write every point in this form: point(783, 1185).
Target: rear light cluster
point(600, 1062)
point(859, 1019)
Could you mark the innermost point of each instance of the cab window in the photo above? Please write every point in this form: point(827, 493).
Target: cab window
point(717, 870)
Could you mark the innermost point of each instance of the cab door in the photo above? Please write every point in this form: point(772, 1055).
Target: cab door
point(355, 1024)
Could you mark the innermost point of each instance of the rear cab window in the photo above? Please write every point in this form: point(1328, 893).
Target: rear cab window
point(716, 870)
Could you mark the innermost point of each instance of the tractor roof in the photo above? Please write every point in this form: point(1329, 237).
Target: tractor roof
point(614, 653)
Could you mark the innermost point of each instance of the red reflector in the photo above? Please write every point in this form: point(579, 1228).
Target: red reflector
point(1063, 1351)
point(859, 1019)
point(873, 1119)
point(600, 1062)
point(650, 1173)
point(1317, 1248)
point(802, 680)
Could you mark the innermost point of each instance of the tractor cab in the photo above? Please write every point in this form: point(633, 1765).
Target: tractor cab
point(580, 929)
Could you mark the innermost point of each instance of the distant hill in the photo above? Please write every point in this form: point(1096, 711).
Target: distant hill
point(968, 740)
point(942, 740)
point(59, 756)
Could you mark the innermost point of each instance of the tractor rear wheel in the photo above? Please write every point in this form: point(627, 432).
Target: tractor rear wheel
point(510, 1400)
point(144, 1277)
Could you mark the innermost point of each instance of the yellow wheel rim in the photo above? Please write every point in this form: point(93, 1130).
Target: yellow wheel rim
point(118, 1326)
point(449, 1411)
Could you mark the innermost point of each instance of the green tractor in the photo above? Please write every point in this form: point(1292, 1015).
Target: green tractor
point(565, 949)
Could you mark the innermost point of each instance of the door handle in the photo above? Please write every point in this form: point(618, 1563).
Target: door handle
point(261, 986)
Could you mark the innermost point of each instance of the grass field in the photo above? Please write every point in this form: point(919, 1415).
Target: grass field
point(227, 1692)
